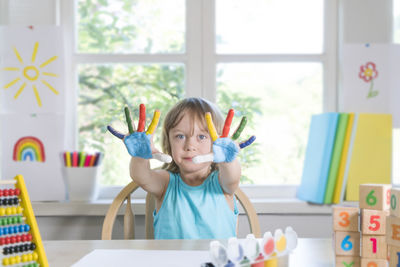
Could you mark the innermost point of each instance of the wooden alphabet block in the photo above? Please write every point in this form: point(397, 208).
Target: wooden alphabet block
point(373, 262)
point(373, 222)
point(394, 202)
point(393, 231)
point(375, 196)
point(345, 219)
point(394, 256)
point(374, 247)
point(347, 243)
point(347, 261)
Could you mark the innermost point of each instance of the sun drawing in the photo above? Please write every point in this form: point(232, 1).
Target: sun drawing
point(31, 74)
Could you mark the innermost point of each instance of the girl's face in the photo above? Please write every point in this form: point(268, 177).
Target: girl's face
point(189, 139)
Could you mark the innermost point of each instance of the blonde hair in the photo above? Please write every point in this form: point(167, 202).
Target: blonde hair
point(196, 108)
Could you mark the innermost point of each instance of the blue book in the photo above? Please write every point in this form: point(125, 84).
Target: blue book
point(321, 140)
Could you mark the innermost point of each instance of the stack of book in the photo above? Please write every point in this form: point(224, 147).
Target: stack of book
point(345, 150)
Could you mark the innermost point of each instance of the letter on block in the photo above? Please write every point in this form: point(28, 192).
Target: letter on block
point(373, 222)
point(394, 202)
point(374, 247)
point(345, 219)
point(347, 261)
point(394, 256)
point(393, 231)
point(375, 196)
point(373, 262)
point(347, 243)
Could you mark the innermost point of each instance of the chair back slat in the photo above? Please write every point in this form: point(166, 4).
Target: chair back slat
point(129, 220)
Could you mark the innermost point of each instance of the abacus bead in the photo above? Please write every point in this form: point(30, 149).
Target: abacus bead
point(19, 219)
point(5, 192)
point(8, 211)
point(12, 239)
point(1, 193)
point(4, 201)
point(17, 191)
point(15, 228)
point(6, 261)
point(15, 201)
point(14, 210)
point(13, 261)
point(24, 258)
point(2, 211)
point(21, 228)
point(11, 230)
point(32, 246)
point(23, 238)
point(5, 231)
point(27, 227)
point(10, 192)
point(2, 221)
point(5, 251)
point(19, 209)
point(7, 240)
point(30, 257)
point(35, 256)
point(29, 237)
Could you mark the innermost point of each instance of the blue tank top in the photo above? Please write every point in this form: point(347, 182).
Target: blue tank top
point(195, 212)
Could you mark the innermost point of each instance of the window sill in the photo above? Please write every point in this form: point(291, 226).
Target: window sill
point(278, 206)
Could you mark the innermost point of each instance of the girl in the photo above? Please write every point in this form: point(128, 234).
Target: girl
point(194, 199)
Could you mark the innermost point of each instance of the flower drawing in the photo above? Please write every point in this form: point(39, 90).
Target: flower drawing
point(368, 73)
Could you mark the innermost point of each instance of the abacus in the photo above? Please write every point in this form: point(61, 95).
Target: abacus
point(20, 241)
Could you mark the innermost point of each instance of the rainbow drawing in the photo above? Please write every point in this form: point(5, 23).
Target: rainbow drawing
point(29, 148)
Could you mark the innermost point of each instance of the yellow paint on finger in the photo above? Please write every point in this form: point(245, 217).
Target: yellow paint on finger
point(211, 127)
point(154, 122)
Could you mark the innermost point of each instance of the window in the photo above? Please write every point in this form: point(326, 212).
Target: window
point(266, 61)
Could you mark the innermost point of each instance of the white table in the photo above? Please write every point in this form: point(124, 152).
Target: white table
point(310, 252)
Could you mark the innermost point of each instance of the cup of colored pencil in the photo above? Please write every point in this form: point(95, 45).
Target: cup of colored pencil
point(81, 159)
point(80, 172)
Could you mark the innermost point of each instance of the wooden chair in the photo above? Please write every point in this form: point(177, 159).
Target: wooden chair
point(125, 195)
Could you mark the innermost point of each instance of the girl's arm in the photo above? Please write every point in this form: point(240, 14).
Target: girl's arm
point(229, 176)
point(152, 181)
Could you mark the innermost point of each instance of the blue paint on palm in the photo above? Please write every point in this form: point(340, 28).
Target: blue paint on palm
point(138, 145)
point(224, 150)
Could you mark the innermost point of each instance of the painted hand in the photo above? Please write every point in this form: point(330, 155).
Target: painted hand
point(139, 143)
point(224, 148)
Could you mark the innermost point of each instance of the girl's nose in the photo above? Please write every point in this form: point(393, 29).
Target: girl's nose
point(189, 145)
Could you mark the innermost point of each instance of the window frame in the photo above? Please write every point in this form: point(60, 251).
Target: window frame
point(200, 61)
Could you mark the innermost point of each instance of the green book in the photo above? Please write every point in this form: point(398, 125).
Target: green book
point(336, 157)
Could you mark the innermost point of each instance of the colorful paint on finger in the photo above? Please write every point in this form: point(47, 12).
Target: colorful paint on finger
point(154, 122)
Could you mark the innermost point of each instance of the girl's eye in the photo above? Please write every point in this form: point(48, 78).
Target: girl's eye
point(180, 136)
point(202, 137)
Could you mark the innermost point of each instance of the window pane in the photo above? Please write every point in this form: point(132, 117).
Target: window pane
point(104, 92)
point(278, 99)
point(273, 26)
point(142, 26)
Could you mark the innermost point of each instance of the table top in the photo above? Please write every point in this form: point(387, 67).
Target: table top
point(309, 252)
